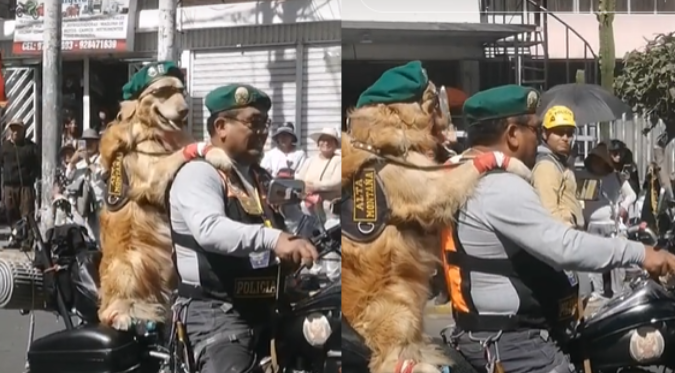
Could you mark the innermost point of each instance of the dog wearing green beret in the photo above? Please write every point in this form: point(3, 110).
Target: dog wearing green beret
point(385, 277)
point(141, 151)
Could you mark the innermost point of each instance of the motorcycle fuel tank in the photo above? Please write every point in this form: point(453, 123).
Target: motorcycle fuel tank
point(634, 329)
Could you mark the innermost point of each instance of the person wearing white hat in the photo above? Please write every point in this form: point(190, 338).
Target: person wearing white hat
point(322, 173)
point(85, 175)
point(285, 158)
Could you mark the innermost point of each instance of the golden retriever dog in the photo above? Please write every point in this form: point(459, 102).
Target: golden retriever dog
point(137, 272)
point(386, 281)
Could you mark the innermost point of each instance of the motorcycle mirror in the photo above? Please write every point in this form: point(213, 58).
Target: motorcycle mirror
point(285, 191)
point(444, 105)
point(335, 206)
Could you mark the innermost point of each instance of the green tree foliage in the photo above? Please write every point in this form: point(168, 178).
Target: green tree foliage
point(647, 82)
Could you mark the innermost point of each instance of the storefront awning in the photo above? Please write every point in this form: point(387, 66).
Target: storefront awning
point(370, 32)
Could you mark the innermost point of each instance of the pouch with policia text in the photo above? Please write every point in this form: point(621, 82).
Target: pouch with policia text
point(364, 209)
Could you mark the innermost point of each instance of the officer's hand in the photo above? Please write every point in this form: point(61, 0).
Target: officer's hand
point(298, 250)
point(658, 262)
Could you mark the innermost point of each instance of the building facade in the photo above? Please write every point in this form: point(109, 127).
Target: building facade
point(290, 49)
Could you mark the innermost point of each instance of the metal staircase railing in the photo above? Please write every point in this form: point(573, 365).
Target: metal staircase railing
point(527, 53)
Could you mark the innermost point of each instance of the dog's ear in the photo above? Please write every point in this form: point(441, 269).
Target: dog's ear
point(127, 110)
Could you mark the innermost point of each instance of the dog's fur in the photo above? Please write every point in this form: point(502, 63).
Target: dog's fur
point(137, 272)
point(386, 282)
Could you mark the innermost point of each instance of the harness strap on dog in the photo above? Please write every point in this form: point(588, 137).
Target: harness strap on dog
point(395, 160)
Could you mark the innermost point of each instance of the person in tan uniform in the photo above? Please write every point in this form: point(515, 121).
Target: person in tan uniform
point(552, 176)
point(554, 179)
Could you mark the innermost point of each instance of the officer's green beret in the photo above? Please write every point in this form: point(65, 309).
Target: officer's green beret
point(400, 84)
point(147, 75)
point(235, 96)
point(501, 102)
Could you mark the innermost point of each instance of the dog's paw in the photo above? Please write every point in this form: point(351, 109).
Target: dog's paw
point(122, 322)
point(218, 159)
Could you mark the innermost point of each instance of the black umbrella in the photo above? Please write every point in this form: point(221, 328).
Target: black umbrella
point(590, 103)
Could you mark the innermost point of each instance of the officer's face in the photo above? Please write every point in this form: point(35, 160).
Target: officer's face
point(524, 139)
point(244, 135)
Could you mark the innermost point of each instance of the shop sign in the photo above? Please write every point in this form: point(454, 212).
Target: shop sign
point(89, 26)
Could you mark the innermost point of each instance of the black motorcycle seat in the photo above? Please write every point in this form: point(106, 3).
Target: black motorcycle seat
point(89, 337)
point(355, 353)
point(88, 348)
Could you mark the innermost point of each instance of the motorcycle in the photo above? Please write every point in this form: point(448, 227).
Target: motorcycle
point(307, 332)
point(633, 331)
point(63, 279)
point(30, 8)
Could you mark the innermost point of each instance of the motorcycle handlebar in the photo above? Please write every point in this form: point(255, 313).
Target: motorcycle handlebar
point(642, 230)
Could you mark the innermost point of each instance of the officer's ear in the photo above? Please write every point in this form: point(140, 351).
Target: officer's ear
point(219, 125)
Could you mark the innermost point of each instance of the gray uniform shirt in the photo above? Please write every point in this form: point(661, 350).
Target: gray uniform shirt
point(505, 215)
point(197, 199)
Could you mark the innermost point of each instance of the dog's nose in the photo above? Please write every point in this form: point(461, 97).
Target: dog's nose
point(183, 113)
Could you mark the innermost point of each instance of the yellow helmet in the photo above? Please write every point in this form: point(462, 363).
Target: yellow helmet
point(558, 116)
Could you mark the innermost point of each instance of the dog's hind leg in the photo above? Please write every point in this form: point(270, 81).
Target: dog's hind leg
point(131, 291)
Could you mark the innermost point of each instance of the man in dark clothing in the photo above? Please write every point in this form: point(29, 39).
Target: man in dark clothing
point(20, 162)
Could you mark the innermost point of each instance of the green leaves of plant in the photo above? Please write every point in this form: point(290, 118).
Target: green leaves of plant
point(647, 82)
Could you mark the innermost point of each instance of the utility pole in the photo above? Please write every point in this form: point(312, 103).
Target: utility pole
point(51, 103)
point(166, 32)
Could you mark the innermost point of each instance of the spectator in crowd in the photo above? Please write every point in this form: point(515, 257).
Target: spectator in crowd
point(285, 158)
point(86, 184)
point(65, 155)
point(624, 164)
point(69, 136)
point(102, 121)
point(615, 197)
point(21, 167)
point(322, 173)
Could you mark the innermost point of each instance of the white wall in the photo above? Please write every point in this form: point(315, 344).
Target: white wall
point(630, 32)
point(450, 11)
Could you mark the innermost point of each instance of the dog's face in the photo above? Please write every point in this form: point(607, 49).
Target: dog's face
point(164, 103)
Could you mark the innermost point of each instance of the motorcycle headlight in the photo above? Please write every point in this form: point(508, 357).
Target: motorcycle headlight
point(316, 329)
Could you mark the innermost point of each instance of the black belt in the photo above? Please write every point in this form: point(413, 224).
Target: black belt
point(196, 292)
point(472, 322)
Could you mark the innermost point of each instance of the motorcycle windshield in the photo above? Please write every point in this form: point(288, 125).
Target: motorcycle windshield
point(647, 292)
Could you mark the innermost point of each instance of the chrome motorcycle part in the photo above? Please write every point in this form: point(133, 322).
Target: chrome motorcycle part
point(21, 285)
point(316, 329)
point(646, 343)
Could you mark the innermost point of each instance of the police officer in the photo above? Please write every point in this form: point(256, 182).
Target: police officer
point(512, 302)
point(225, 237)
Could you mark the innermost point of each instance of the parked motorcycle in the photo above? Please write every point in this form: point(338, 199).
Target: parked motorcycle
point(63, 279)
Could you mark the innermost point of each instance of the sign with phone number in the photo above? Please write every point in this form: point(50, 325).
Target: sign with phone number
point(28, 47)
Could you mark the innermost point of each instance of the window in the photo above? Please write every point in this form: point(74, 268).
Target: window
point(505, 6)
point(665, 6)
point(585, 6)
point(560, 5)
point(643, 6)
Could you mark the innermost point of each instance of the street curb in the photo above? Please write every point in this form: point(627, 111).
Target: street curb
point(444, 309)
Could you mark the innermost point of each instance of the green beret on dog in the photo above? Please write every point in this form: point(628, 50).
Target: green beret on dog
point(400, 84)
point(148, 75)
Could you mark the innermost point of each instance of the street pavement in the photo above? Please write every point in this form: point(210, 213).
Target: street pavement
point(14, 337)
